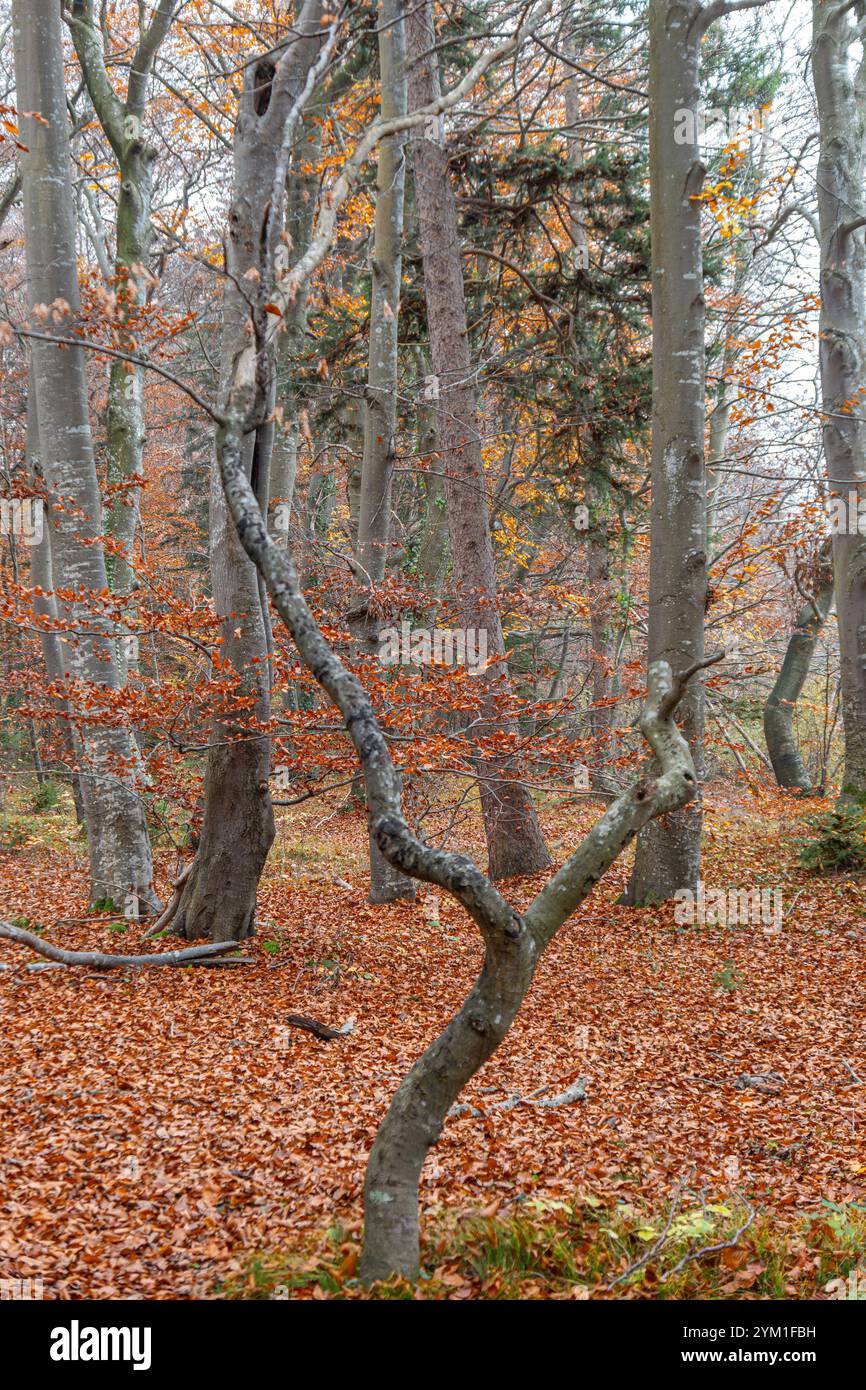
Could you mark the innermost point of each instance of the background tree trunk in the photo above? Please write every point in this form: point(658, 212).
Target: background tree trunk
point(840, 91)
point(782, 745)
point(380, 412)
point(123, 124)
point(219, 897)
point(514, 841)
point(120, 857)
point(668, 855)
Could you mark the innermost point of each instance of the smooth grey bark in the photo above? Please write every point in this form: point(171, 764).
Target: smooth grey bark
point(99, 960)
point(840, 90)
point(122, 122)
point(44, 602)
point(668, 855)
point(598, 548)
point(387, 884)
point(219, 896)
point(433, 554)
point(300, 209)
point(513, 943)
point(514, 841)
point(380, 413)
point(782, 746)
point(120, 857)
point(720, 416)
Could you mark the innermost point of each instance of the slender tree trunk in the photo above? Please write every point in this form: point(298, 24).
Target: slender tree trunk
point(513, 942)
point(120, 856)
point(668, 855)
point(44, 603)
point(514, 841)
point(123, 124)
point(598, 547)
point(300, 207)
point(219, 897)
point(782, 745)
point(840, 90)
point(380, 413)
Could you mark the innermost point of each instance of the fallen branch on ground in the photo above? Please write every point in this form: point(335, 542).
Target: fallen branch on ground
point(190, 955)
point(320, 1030)
point(576, 1091)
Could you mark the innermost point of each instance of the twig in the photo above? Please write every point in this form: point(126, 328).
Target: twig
point(714, 1249)
point(654, 1249)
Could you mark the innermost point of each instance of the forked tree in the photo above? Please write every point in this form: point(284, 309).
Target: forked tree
point(513, 940)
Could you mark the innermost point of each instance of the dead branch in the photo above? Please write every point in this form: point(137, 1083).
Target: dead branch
point(168, 912)
point(715, 1249)
point(100, 961)
point(320, 1030)
point(576, 1091)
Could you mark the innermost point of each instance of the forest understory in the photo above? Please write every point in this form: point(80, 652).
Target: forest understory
point(171, 1136)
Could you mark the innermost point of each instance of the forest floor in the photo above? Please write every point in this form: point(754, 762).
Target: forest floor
point(164, 1133)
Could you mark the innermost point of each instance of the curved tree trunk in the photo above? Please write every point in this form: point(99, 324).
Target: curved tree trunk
point(514, 841)
point(782, 745)
point(513, 942)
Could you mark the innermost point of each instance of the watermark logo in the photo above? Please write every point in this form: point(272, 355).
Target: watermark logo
point(847, 515)
point(720, 907)
point(21, 1290)
point(716, 127)
point(282, 515)
point(586, 1038)
point(22, 517)
point(77, 1343)
point(444, 646)
point(854, 1287)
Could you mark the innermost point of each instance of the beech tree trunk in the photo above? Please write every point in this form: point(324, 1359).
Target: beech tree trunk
point(598, 547)
point(840, 90)
point(782, 745)
point(513, 943)
point(219, 897)
point(123, 124)
point(380, 409)
point(668, 855)
point(300, 208)
point(514, 841)
point(120, 856)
